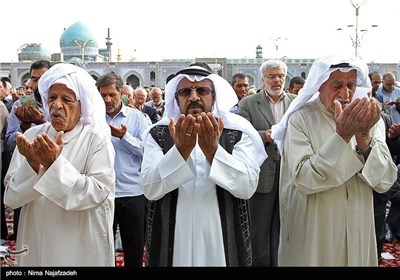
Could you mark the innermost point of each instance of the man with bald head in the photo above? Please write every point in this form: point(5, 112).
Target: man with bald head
point(140, 99)
point(129, 92)
point(389, 95)
point(156, 101)
point(6, 93)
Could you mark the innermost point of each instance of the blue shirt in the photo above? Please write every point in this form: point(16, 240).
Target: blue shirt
point(384, 96)
point(128, 151)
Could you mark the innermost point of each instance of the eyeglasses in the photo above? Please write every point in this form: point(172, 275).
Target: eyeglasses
point(202, 91)
point(274, 76)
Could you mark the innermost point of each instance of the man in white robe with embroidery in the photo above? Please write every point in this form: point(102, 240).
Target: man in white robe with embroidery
point(63, 177)
point(200, 180)
point(333, 156)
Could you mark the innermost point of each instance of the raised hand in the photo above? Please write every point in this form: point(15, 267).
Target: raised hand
point(357, 118)
point(29, 114)
point(184, 133)
point(393, 131)
point(26, 149)
point(118, 132)
point(21, 113)
point(209, 133)
point(46, 150)
point(35, 115)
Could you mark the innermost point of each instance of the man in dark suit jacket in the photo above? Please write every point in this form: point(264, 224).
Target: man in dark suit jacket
point(263, 110)
point(381, 199)
point(140, 100)
point(393, 217)
point(6, 93)
point(151, 112)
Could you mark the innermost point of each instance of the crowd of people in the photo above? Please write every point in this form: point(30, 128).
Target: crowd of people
point(206, 172)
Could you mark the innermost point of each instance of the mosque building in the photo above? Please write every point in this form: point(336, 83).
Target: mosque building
point(80, 47)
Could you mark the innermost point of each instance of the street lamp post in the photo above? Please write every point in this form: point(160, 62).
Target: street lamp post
point(82, 44)
point(276, 43)
point(356, 40)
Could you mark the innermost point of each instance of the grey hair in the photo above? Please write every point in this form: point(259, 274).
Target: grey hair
point(273, 63)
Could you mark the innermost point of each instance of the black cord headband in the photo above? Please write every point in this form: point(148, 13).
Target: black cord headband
point(195, 70)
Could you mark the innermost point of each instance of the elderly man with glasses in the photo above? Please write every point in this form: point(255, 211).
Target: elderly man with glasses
point(263, 110)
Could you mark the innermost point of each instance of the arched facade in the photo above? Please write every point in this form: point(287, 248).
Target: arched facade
point(159, 73)
point(77, 42)
point(133, 78)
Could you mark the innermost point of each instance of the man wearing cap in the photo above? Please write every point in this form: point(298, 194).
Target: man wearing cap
point(333, 156)
point(62, 174)
point(200, 166)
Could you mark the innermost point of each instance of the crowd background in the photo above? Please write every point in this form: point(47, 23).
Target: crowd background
point(150, 101)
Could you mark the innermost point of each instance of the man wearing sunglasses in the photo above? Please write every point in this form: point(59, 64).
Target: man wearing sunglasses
point(200, 166)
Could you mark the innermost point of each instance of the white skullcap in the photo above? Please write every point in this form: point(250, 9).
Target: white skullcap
point(319, 73)
point(83, 85)
point(226, 98)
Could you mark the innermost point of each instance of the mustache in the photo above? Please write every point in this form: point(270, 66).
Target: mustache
point(343, 100)
point(56, 114)
point(195, 105)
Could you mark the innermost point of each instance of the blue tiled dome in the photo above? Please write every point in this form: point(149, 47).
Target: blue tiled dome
point(32, 52)
point(78, 31)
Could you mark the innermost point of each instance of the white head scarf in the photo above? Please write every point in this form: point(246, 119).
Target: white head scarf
point(225, 99)
point(319, 73)
point(83, 85)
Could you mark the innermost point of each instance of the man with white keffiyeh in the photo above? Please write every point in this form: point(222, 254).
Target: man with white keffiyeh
point(333, 156)
point(62, 174)
point(200, 166)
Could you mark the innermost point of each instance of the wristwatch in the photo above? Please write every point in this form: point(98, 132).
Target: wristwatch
point(366, 149)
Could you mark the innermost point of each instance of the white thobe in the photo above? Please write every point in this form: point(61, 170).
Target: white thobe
point(198, 239)
point(326, 205)
point(67, 210)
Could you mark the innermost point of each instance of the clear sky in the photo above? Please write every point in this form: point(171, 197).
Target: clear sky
point(151, 30)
